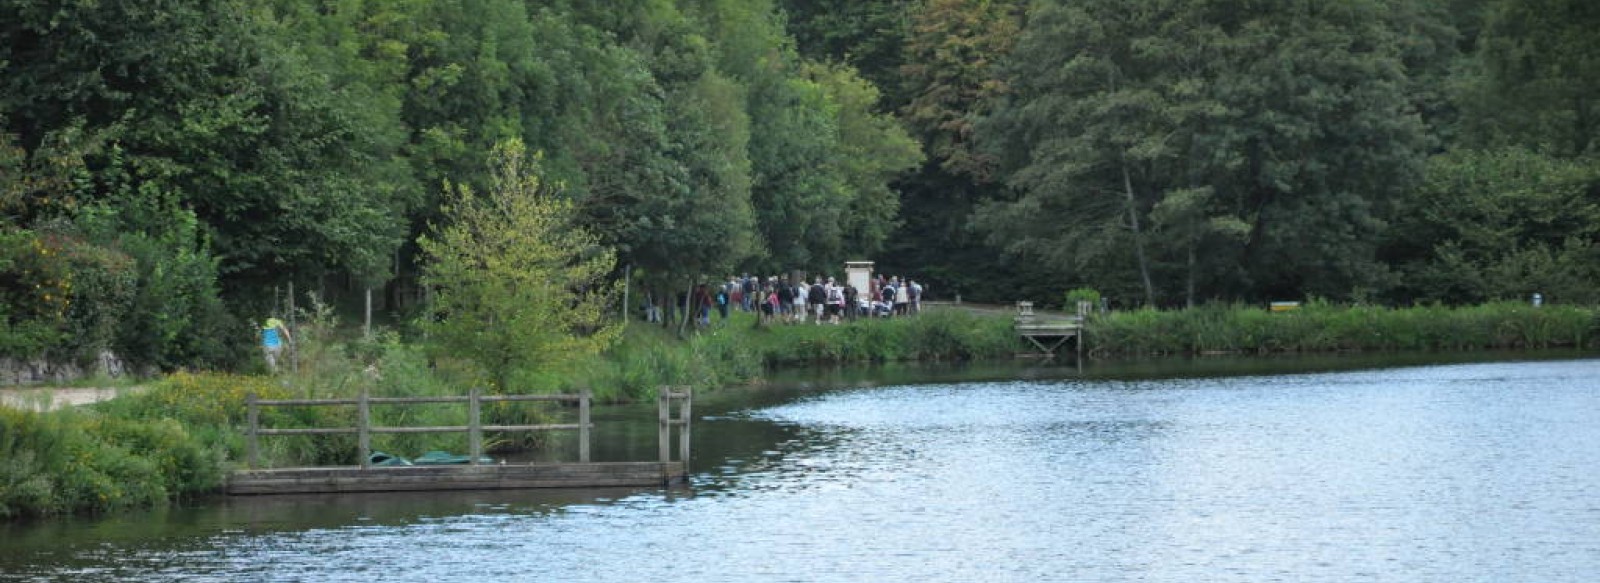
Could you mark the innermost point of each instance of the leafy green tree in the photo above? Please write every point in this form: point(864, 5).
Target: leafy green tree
point(868, 35)
point(951, 73)
point(173, 316)
point(212, 101)
point(516, 285)
point(1500, 224)
point(1251, 147)
point(950, 77)
point(871, 150)
point(1534, 78)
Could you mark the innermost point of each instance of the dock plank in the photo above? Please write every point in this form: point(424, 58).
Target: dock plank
point(417, 478)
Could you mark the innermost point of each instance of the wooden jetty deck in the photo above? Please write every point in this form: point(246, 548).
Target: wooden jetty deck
point(1048, 333)
point(348, 479)
point(583, 473)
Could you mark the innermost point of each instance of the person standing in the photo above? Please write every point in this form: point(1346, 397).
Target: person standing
point(702, 305)
point(799, 293)
point(723, 298)
point(886, 296)
point(747, 289)
point(902, 296)
point(817, 297)
point(851, 297)
point(274, 336)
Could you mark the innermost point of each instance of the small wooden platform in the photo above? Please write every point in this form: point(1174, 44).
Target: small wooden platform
point(1048, 333)
point(338, 479)
point(369, 478)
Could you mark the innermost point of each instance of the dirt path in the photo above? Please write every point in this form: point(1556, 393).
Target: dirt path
point(49, 398)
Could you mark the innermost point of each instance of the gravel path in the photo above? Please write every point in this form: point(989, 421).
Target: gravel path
point(45, 399)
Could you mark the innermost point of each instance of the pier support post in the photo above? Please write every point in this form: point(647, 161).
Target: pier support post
point(252, 455)
point(583, 425)
point(663, 431)
point(475, 425)
point(364, 429)
point(683, 428)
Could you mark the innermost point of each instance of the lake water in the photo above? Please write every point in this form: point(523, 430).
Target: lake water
point(1485, 471)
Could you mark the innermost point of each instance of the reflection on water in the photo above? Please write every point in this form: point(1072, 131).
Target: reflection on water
point(1460, 472)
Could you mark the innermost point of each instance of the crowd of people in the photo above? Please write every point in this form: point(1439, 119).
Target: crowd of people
point(785, 300)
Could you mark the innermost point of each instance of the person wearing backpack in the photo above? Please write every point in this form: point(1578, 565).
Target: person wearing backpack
point(851, 306)
point(817, 296)
point(722, 301)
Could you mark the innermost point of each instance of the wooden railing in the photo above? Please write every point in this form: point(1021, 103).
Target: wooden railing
point(664, 398)
point(474, 428)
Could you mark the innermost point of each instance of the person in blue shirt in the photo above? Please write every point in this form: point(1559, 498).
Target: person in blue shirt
point(274, 335)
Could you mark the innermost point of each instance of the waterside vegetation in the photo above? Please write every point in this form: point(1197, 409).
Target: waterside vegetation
point(177, 438)
point(1324, 327)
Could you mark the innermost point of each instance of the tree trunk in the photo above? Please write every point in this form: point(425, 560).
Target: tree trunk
point(1188, 292)
point(1138, 235)
point(687, 297)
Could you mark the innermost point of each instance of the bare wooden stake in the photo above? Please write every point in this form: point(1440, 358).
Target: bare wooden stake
point(474, 427)
point(583, 425)
point(364, 426)
point(252, 455)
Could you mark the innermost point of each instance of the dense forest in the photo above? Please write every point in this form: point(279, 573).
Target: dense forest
point(169, 168)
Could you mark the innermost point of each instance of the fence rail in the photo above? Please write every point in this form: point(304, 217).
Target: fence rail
point(364, 428)
point(475, 427)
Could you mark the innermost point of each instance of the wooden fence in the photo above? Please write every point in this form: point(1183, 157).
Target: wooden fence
point(474, 428)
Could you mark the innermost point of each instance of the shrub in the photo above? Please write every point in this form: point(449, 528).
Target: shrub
point(1324, 327)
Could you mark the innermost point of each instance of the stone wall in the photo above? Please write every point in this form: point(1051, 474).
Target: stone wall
point(39, 371)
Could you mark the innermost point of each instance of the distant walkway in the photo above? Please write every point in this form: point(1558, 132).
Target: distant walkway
point(52, 398)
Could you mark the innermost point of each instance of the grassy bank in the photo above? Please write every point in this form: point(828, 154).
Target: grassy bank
point(1321, 327)
point(179, 437)
point(738, 350)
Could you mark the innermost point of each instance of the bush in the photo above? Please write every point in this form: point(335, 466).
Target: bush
point(35, 289)
point(1320, 326)
point(91, 461)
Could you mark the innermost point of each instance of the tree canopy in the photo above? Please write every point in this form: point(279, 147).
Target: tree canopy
point(1163, 152)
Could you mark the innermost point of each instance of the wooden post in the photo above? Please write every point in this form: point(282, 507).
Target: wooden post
point(583, 425)
point(664, 431)
point(474, 427)
point(627, 285)
point(683, 430)
point(364, 428)
point(1079, 341)
point(251, 453)
point(294, 328)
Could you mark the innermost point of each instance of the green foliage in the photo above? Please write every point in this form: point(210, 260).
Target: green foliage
point(1082, 294)
point(516, 285)
point(1533, 80)
point(872, 149)
point(34, 294)
point(868, 35)
point(1180, 141)
point(1320, 327)
point(1500, 224)
point(934, 336)
point(101, 287)
point(954, 51)
point(142, 449)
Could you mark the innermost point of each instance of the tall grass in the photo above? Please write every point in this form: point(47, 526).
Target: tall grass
point(179, 436)
point(169, 441)
point(1322, 327)
point(739, 350)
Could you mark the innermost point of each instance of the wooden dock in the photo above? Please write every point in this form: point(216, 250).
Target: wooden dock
point(583, 473)
point(351, 479)
point(1048, 333)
